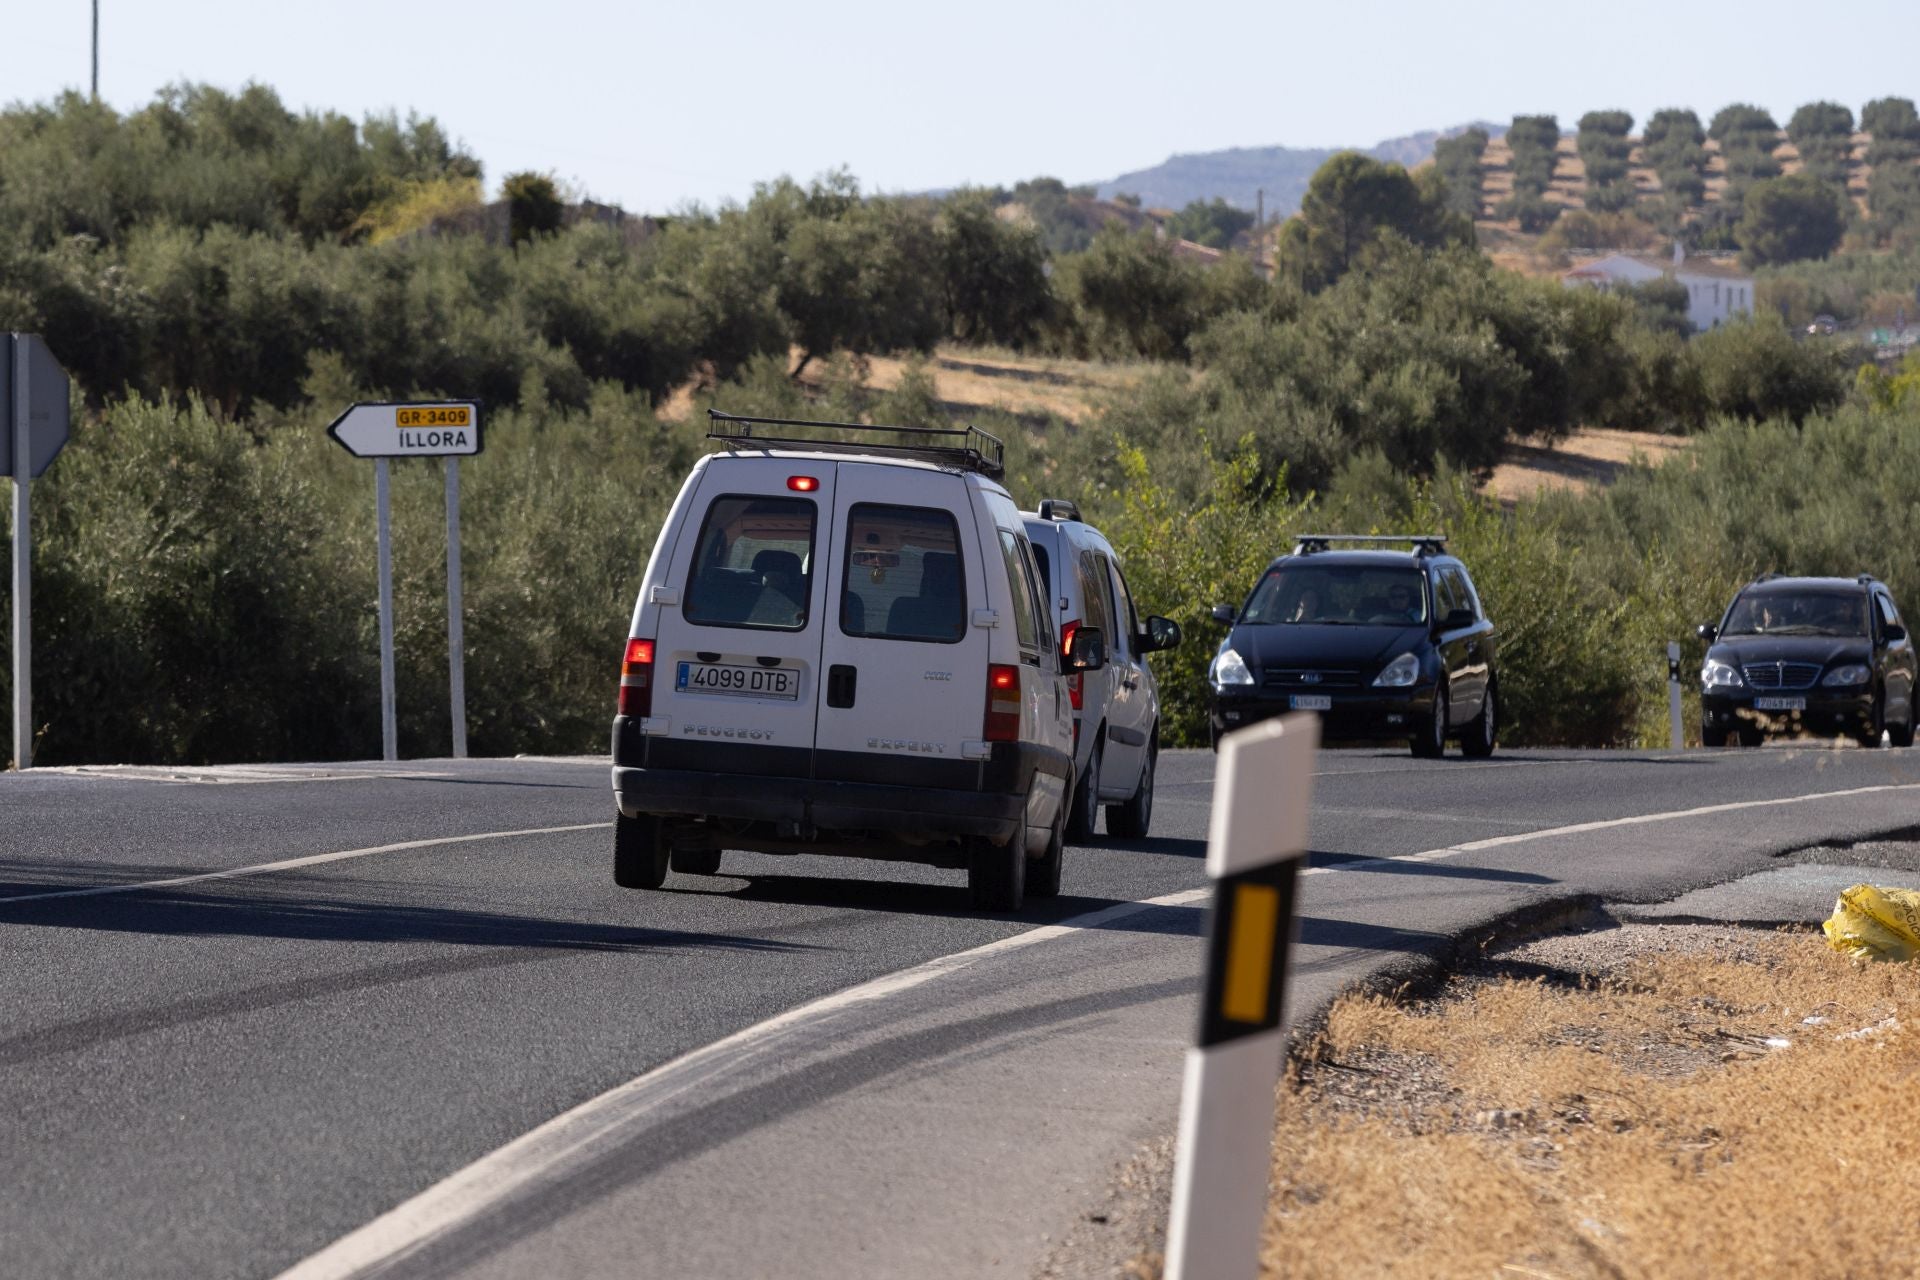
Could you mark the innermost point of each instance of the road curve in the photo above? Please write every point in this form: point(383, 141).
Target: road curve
point(249, 1014)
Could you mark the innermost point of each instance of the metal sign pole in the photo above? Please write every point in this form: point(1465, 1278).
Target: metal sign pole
point(389, 732)
point(1262, 790)
point(22, 562)
point(456, 628)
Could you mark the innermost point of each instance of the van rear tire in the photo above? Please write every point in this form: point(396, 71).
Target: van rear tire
point(1043, 872)
point(1085, 813)
point(997, 873)
point(640, 852)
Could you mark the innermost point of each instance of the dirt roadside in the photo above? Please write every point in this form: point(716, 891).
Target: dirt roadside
point(1657, 1092)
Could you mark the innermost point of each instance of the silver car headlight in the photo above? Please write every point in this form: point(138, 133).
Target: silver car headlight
point(1399, 673)
point(1721, 675)
point(1852, 673)
point(1229, 668)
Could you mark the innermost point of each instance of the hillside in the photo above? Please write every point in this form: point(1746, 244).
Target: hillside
point(1239, 174)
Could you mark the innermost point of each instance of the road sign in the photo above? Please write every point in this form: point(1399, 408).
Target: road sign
point(46, 403)
point(447, 429)
point(414, 429)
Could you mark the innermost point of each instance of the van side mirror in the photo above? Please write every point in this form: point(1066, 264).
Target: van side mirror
point(1161, 633)
point(1087, 651)
point(1458, 620)
point(1706, 631)
point(1894, 633)
point(1223, 613)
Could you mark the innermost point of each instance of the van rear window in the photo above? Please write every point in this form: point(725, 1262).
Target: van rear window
point(754, 564)
point(903, 577)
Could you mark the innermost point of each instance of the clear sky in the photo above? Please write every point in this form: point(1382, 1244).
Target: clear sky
point(654, 105)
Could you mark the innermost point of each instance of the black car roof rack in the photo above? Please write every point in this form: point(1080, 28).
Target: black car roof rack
point(966, 447)
point(1059, 509)
point(1424, 544)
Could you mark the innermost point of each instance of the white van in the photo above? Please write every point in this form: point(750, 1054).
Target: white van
point(842, 645)
point(1116, 711)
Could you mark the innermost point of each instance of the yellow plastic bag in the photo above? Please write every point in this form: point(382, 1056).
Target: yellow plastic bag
point(1870, 923)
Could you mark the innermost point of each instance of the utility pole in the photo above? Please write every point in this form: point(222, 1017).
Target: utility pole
point(96, 50)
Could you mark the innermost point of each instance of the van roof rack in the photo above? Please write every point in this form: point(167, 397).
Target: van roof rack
point(1424, 544)
point(966, 447)
point(1059, 509)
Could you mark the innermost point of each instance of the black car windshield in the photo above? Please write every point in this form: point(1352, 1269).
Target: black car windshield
point(1339, 595)
point(1803, 614)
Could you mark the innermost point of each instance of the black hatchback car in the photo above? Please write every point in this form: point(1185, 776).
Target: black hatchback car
point(1381, 643)
point(1827, 656)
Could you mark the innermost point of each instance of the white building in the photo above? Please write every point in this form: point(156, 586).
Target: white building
point(1716, 291)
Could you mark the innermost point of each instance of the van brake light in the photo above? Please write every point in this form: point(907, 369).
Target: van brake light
point(636, 679)
point(1076, 690)
point(1003, 704)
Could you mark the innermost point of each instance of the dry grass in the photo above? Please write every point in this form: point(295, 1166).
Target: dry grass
point(1589, 457)
point(1531, 1121)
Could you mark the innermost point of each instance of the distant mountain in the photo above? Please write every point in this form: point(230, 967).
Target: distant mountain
point(1238, 174)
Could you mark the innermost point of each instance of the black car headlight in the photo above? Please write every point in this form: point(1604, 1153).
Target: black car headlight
point(1398, 674)
point(1721, 675)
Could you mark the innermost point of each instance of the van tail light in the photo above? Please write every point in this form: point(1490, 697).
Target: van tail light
point(1075, 689)
point(636, 679)
point(1003, 704)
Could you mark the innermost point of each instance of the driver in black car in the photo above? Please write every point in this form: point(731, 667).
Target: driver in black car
point(1400, 601)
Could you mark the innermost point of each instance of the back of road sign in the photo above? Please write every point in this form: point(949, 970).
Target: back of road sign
point(46, 404)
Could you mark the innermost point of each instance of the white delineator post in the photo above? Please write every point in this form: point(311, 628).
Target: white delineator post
point(1263, 788)
point(1673, 696)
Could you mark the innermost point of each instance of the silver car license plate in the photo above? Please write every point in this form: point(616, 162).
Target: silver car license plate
point(1779, 704)
point(1310, 702)
point(738, 681)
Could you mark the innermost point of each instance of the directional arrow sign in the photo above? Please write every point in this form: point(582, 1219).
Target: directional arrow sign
point(414, 429)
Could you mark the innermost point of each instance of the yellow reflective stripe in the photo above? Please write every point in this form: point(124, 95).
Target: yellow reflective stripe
point(1256, 922)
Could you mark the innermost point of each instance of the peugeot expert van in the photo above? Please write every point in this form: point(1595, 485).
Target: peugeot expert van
point(842, 646)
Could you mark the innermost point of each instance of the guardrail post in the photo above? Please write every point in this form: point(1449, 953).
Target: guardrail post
point(1262, 792)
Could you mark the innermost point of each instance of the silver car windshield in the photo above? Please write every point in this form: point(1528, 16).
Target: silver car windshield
point(1338, 595)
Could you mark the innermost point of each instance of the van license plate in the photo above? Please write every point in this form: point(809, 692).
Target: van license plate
point(1779, 704)
point(1310, 702)
point(738, 681)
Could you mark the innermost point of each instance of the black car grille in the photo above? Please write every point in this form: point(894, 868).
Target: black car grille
point(1310, 680)
point(1782, 675)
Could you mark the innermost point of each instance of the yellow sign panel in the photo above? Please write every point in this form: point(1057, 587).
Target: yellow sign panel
point(449, 415)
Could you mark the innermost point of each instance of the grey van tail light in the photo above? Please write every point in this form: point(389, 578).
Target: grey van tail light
point(1399, 673)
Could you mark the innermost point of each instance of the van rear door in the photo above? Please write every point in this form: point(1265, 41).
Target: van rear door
point(738, 639)
point(903, 667)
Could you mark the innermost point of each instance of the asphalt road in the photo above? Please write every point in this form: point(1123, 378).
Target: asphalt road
point(227, 1074)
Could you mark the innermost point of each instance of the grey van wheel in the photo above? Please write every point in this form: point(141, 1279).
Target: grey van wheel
point(996, 873)
point(1086, 802)
point(639, 852)
point(1130, 820)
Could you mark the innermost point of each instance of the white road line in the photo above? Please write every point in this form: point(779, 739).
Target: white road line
point(1643, 819)
point(288, 864)
point(476, 1190)
point(228, 775)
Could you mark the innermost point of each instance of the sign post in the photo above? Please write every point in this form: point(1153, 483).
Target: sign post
point(448, 429)
point(1262, 790)
point(33, 428)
